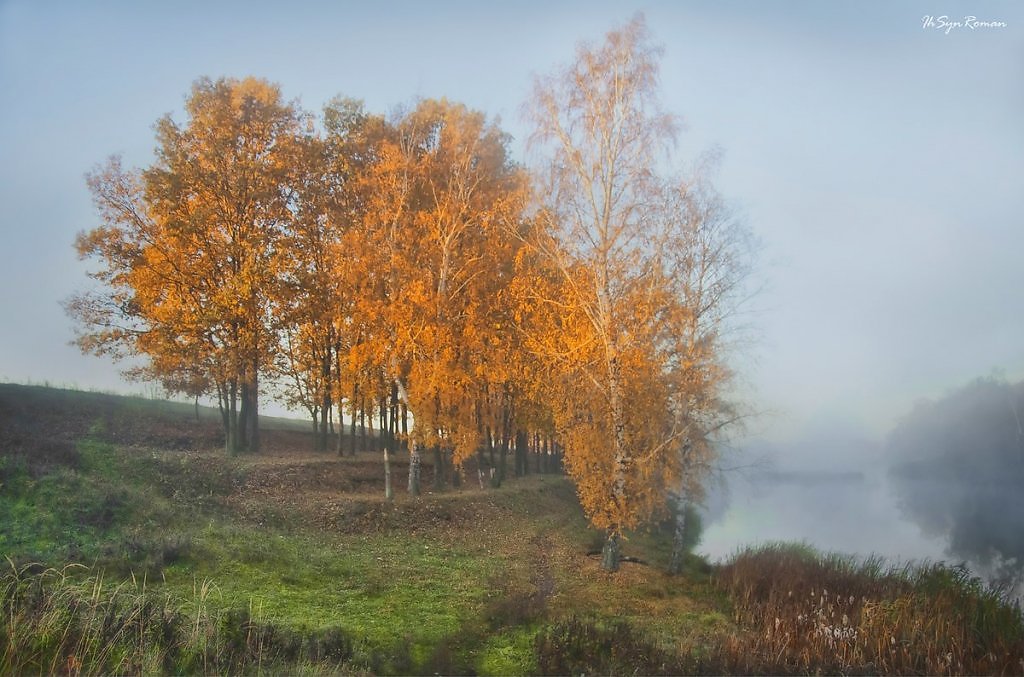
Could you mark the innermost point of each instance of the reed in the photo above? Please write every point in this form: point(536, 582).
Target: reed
point(803, 611)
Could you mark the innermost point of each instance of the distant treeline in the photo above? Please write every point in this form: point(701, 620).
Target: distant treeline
point(958, 465)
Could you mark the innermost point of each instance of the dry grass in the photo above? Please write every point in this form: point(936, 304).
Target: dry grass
point(807, 612)
point(57, 623)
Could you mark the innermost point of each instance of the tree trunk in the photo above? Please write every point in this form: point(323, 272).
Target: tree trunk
point(438, 468)
point(414, 470)
point(623, 458)
point(339, 444)
point(490, 447)
point(222, 407)
point(352, 428)
point(242, 434)
point(480, 463)
point(506, 424)
point(383, 437)
point(341, 400)
point(536, 450)
point(503, 460)
point(254, 416)
point(455, 471)
point(371, 433)
point(675, 564)
point(317, 437)
point(405, 427)
point(389, 492)
point(506, 432)
point(321, 442)
point(364, 443)
point(231, 439)
point(393, 418)
point(611, 554)
point(391, 436)
point(522, 459)
point(326, 405)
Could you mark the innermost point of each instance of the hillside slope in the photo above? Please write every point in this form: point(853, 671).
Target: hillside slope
point(301, 544)
point(136, 545)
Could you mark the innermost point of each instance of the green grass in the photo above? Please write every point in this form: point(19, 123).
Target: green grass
point(76, 513)
point(509, 653)
point(197, 562)
point(69, 621)
point(415, 593)
point(378, 588)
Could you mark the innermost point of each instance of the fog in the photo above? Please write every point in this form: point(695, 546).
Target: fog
point(945, 484)
point(877, 160)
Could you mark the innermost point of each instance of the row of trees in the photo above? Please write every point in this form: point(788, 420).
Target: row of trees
point(406, 264)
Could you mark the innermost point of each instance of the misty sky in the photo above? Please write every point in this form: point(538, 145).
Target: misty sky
point(880, 162)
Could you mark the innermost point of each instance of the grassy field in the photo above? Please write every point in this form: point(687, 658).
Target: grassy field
point(135, 544)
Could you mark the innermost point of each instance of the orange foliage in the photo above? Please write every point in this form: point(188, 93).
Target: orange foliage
point(618, 310)
point(411, 255)
point(188, 249)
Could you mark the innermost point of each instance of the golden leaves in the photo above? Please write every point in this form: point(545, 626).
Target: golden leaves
point(613, 308)
point(414, 254)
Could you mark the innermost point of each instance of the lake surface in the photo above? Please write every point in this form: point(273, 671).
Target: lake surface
point(854, 513)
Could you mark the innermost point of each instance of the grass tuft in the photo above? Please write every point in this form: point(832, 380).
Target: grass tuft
point(56, 622)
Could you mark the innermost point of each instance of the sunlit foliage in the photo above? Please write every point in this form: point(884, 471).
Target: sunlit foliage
point(629, 309)
point(405, 264)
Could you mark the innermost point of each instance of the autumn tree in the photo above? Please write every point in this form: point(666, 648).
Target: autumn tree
point(631, 362)
point(323, 263)
point(444, 195)
point(710, 254)
point(189, 248)
point(375, 271)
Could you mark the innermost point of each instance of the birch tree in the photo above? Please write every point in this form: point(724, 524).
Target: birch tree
point(620, 336)
point(445, 198)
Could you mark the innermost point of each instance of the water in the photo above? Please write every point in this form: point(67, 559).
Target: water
point(855, 514)
point(869, 513)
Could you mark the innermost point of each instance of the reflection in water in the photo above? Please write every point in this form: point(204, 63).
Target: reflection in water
point(958, 468)
point(858, 516)
point(981, 522)
point(861, 515)
point(949, 486)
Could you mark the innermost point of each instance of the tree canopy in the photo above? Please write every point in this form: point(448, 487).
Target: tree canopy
point(631, 313)
point(406, 263)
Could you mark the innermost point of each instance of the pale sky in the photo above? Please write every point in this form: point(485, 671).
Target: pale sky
point(879, 161)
